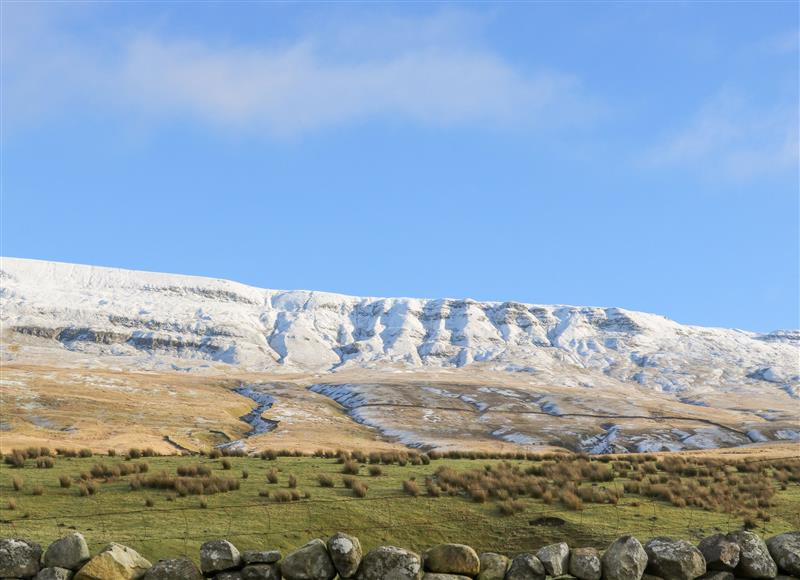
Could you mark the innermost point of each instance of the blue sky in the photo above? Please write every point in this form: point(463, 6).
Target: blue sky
point(641, 155)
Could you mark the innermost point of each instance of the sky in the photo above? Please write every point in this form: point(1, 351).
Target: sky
point(640, 155)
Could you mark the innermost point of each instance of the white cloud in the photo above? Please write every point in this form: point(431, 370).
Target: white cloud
point(731, 139)
point(297, 88)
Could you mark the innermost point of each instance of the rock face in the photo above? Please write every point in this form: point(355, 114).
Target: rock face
point(754, 559)
point(345, 551)
point(526, 567)
point(721, 552)
point(173, 569)
point(218, 556)
point(390, 563)
point(493, 566)
point(114, 562)
point(674, 559)
point(311, 562)
point(261, 572)
point(785, 550)
point(625, 559)
point(554, 558)
point(19, 558)
point(54, 574)
point(452, 559)
point(584, 564)
point(70, 552)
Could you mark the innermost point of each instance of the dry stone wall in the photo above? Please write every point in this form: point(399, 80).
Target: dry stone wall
point(739, 554)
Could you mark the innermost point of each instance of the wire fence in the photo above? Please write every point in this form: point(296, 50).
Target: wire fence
point(595, 524)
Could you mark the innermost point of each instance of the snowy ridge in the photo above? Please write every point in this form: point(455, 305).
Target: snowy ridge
point(151, 321)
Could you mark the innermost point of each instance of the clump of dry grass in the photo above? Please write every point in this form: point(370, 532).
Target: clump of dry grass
point(411, 487)
point(272, 476)
point(351, 467)
point(17, 483)
point(292, 481)
point(325, 480)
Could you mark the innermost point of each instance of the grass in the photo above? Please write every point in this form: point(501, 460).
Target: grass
point(490, 504)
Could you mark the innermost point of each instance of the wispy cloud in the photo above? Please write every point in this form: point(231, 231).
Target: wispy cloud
point(732, 139)
point(443, 79)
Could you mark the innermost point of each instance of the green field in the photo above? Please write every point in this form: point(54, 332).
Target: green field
point(176, 525)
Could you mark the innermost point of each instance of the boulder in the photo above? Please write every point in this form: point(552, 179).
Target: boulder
point(721, 552)
point(717, 575)
point(754, 558)
point(219, 556)
point(493, 566)
point(526, 567)
point(261, 572)
point(174, 569)
point(114, 562)
point(69, 552)
point(346, 553)
point(54, 574)
point(584, 564)
point(674, 559)
point(554, 558)
point(437, 576)
point(785, 550)
point(452, 559)
point(310, 562)
point(229, 575)
point(390, 563)
point(260, 556)
point(19, 558)
point(625, 559)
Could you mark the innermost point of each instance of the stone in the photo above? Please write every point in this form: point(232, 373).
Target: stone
point(452, 559)
point(260, 556)
point(526, 567)
point(754, 558)
point(437, 576)
point(346, 553)
point(70, 552)
point(310, 562)
point(584, 564)
point(261, 572)
point(625, 559)
point(114, 562)
point(554, 558)
point(717, 575)
point(229, 575)
point(721, 552)
point(493, 566)
point(174, 569)
point(19, 558)
point(54, 573)
point(785, 550)
point(219, 556)
point(674, 559)
point(390, 563)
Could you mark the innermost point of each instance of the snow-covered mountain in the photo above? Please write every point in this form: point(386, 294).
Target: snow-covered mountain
point(162, 321)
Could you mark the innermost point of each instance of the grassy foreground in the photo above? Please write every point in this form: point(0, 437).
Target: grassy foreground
point(160, 522)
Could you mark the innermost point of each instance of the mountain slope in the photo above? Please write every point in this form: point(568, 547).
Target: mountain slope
point(305, 368)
